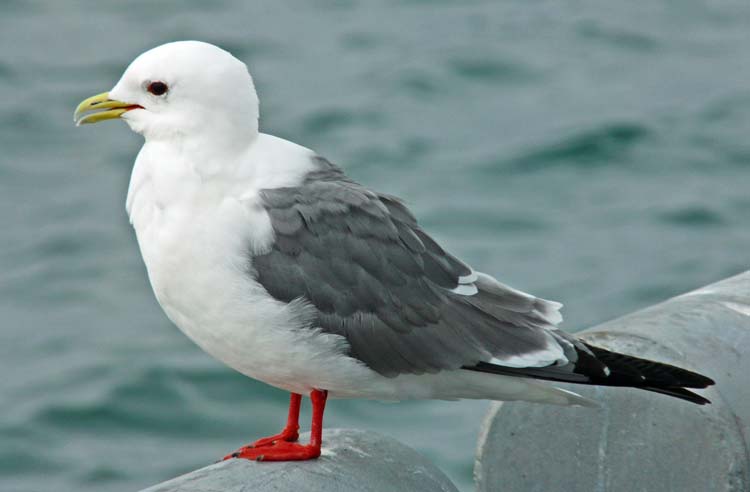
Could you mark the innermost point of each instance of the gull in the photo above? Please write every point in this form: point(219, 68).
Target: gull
point(275, 262)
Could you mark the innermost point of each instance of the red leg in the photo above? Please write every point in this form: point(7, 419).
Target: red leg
point(282, 446)
point(291, 430)
point(290, 433)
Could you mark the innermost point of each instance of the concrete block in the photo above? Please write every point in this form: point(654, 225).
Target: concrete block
point(351, 460)
point(639, 441)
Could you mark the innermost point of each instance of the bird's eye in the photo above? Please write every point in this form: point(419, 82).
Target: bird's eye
point(157, 88)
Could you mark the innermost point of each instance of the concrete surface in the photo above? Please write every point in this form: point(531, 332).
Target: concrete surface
point(352, 460)
point(639, 441)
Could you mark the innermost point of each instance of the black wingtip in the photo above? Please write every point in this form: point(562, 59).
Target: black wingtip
point(606, 368)
point(627, 370)
point(682, 394)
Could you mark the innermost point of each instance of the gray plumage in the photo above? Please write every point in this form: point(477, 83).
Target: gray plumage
point(376, 278)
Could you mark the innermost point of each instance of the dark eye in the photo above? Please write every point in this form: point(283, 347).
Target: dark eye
point(157, 88)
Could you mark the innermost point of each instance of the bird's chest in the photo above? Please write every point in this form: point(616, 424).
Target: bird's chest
point(196, 259)
point(189, 259)
point(196, 242)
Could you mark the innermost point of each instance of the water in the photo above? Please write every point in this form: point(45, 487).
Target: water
point(592, 153)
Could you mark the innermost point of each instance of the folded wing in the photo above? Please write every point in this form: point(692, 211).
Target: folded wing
point(403, 303)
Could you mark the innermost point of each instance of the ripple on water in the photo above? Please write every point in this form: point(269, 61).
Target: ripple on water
point(720, 130)
point(330, 120)
point(250, 50)
point(141, 402)
point(594, 148)
point(157, 399)
point(57, 266)
point(6, 72)
point(618, 37)
point(475, 221)
point(691, 216)
point(647, 294)
point(360, 41)
point(20, 460)
point(732, 108)
point(490, 70)
point(418, 83)
point(101, 474)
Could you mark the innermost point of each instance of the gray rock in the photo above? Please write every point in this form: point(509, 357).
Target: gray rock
point(352, 460)
point(638, 441)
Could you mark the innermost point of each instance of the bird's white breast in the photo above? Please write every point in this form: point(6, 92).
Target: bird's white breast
point(197, 235)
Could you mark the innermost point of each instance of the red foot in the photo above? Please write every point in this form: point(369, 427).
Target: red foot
point(279, 451)
point(288, 435)
point(283, 446)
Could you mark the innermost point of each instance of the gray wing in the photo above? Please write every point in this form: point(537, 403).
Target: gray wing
point(377, 279)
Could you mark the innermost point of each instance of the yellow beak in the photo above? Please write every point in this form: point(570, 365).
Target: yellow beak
point(99, 108)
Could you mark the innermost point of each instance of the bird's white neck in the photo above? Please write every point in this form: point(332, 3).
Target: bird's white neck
point(188, 171)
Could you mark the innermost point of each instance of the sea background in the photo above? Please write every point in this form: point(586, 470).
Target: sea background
point(595, 153)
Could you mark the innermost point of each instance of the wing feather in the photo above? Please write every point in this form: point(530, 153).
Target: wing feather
point(376, 278)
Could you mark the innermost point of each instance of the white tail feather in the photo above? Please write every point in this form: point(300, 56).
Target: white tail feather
point(466, 384)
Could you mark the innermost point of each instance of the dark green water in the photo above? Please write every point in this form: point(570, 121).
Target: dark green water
point(597, 153)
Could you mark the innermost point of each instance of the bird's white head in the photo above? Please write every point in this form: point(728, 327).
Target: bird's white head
point(183, 90)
